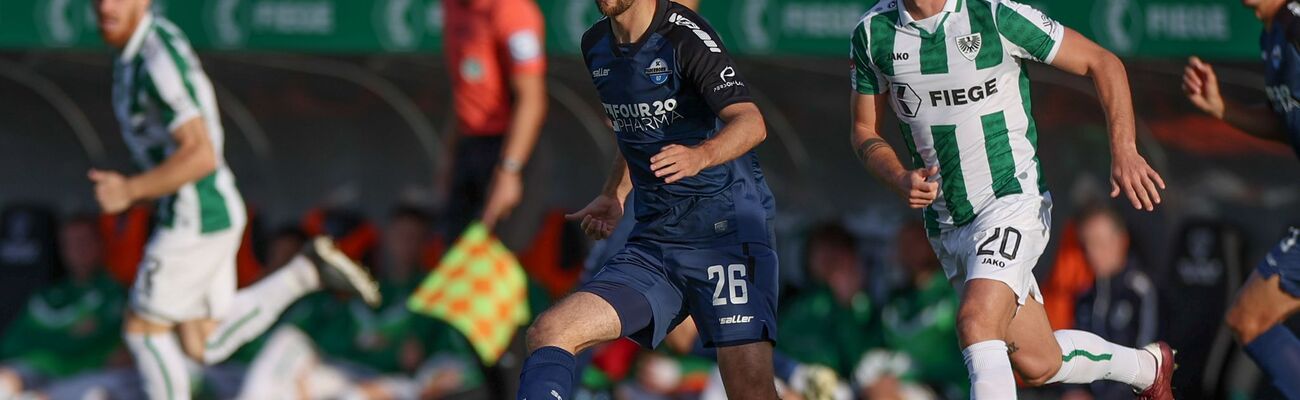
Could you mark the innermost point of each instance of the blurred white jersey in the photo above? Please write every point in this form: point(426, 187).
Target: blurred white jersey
point(159, 85)
point(962, 94)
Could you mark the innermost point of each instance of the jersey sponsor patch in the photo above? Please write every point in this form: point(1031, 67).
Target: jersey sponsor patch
point(728, 76)
point(909, 103)
point(658, 71)
point(969, 45)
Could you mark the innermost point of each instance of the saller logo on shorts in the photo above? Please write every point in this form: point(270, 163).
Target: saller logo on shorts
point(735, 319)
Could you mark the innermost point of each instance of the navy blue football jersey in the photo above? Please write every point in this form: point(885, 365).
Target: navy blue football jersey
point(1280, 49)
point(668, 88)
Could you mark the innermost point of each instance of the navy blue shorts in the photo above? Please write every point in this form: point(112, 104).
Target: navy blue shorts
point(730, 290)
point(1284, 261)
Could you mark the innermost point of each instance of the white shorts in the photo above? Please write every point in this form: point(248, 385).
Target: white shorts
point(1003, 243)
point(186, 276)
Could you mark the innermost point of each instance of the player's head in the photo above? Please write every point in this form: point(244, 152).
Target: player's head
point(1104, 238)
point(118, 19)
point(614, 8)
point(285, 244)
point(833, 259)
point(404, 240)
point(80, 247)
point(1264, 9)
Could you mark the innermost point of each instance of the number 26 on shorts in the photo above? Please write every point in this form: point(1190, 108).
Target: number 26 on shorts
point(730, 279)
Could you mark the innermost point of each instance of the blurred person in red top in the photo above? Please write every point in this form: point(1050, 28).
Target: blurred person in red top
point(497, 60)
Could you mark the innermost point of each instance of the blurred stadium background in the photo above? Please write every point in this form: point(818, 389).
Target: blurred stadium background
point(335, 113)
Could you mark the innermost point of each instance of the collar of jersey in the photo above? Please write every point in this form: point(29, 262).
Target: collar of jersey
point(905, 18)
point(137, 37)
point(661, 15)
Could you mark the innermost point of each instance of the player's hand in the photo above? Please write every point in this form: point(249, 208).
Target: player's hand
point(676, 162)
point(111, 191)
point(917, 188)
point(1201, 86)
point(600, 217)
point(1130, 174)
point(506, 191)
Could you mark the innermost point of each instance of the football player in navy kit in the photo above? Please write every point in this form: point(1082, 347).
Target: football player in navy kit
point(1273, 291)
point(702, 243)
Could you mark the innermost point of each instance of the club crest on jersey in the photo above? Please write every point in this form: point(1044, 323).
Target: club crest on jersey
point(658, 71)
point(969, 45)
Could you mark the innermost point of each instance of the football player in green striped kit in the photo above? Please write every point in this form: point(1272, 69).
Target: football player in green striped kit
point(953, 71)
point(186, 285)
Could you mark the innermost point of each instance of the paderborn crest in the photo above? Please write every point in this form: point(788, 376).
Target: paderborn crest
point(969, 45)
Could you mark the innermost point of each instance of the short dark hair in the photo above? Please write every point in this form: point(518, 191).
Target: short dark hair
point(412, 212)
point(833, 234)
point(1100, 209)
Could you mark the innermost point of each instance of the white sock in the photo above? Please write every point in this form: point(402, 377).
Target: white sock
point(257, 307)
point(990, 371)
point(1087, 357)
point(276, 371)
point(161, 363)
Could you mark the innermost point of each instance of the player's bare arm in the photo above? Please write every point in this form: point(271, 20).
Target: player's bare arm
point(194, 159)
point(525, 126)
point(744, 129)
point(1201, 85)
point(599, 218)
point(881, 159)
point(1130, 173)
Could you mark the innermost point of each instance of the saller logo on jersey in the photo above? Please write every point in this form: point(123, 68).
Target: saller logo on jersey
point(658, 71)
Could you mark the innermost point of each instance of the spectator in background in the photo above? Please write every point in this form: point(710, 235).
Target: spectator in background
point(919, 320)
point(358, 352)
point(834, 323)
point(497, 61)
point(1122, 306)
point(71, 327)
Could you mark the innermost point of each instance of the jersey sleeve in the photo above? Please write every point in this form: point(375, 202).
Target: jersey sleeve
point(1033, 35)
point(168, 84)
point(866, 79)
point(521, 31)
point(703, 61)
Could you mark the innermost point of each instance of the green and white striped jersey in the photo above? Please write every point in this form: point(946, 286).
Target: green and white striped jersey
point(159, 85)
point(961, 93)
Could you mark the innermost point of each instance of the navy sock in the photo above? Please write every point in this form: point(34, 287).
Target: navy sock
point(1277, 352)
point(548, 375)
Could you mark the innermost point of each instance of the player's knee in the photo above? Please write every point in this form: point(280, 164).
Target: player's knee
point(548, 331)
point(971, 329)
point(135, 324)
point(1245, 324)
point(1037, 372)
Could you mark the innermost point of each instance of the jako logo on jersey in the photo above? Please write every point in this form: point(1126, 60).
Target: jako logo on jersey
point(960, 97)
point(658, 71)
point(600, 73)
point(704, 36)
point(993, 262)
point(969, 45)
point(901, 56)
point(735, 319)
point(728, 75)
point(909, 103)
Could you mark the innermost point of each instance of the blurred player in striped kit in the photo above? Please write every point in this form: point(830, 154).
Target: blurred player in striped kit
point(186, 285)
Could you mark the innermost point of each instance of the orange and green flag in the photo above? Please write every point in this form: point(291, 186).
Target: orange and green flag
point(480, 289)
